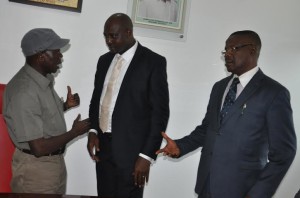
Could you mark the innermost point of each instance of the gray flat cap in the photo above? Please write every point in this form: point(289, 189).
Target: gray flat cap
point(41, 39)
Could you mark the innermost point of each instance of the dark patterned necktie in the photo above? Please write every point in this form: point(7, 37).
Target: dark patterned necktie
point(230, 98)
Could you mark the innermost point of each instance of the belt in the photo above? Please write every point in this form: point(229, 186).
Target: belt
point(57, 152)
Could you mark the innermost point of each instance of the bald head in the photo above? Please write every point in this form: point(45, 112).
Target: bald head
point(118, 33)
point(121, 19)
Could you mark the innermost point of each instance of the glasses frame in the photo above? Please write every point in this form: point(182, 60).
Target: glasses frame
point(235, 48)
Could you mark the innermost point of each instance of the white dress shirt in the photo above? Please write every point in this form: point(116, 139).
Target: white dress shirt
point(127, 56)
point(244, 80)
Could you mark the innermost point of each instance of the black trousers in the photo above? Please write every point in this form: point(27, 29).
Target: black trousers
point(113, 181)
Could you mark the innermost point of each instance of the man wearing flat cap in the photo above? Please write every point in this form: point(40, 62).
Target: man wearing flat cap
point(34, 114)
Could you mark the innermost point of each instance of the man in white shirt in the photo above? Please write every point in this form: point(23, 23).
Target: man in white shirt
point(129, 108)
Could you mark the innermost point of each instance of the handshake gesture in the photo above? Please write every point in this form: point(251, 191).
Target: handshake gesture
point(171, 149)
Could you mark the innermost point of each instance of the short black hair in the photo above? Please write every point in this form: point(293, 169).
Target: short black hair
point(251, 34)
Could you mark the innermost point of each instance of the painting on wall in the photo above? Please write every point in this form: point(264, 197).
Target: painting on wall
point(160, 18)
point(164, 14)
point(70, 5)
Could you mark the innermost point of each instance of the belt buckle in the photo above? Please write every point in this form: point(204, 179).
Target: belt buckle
point(57, 152)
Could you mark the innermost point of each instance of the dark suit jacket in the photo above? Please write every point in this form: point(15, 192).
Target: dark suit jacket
point(142, 108)
point(250, 152)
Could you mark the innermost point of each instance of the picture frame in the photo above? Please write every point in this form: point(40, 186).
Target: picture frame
point(69, 5)
point(160, 19)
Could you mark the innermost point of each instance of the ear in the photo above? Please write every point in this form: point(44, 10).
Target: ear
point(253, 51)
point(129, 33)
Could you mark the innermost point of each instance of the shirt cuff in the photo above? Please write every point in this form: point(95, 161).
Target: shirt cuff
point(141, 154)
point(146, 157)
point(93, 131)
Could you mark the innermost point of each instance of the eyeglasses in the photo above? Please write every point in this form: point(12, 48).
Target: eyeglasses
point(234, 49)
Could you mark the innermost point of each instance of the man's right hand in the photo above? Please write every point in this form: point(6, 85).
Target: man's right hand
point(80, 127)
point(171, 149)
point(93, 146)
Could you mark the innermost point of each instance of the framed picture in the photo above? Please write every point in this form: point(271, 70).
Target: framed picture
point(160, 16)
point(70, 5)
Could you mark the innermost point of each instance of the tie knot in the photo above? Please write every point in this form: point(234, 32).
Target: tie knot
point(235, 81)
point(119, 62)
point(119, 59)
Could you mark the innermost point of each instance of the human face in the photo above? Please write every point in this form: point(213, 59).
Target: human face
point(117, 37)
point(238, 54)
point(51, 61)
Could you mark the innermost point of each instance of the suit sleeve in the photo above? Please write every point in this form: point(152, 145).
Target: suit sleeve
point(197, 137)
point(282, 146)
point(95, 100)
point(159, 102)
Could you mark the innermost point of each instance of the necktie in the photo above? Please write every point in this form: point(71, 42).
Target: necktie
point(230, 98)
point(105, 106)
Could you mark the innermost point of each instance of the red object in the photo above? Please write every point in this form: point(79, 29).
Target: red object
point(6, 151)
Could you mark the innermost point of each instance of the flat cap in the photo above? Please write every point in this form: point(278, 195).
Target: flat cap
point(41, 39)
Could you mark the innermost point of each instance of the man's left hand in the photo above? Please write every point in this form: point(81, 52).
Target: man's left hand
point(73, 100)
point(141, 171)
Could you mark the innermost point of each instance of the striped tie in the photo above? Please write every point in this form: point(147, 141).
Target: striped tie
point(230, 98)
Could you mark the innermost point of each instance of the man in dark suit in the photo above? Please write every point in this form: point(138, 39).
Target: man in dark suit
point(128, 110)
point(248, 148)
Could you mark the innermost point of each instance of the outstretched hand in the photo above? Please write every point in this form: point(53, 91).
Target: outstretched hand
point(73, 100)
point(80, 126)
point(171, 149)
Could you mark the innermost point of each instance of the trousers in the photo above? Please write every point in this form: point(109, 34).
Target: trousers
point(44, 175)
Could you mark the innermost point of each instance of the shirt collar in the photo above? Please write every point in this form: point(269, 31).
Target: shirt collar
point(246, 77)
point(41, 80)
point(128, 55)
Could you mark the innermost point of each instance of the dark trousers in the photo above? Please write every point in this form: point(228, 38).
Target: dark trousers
point(112, 180)
point(204, 196)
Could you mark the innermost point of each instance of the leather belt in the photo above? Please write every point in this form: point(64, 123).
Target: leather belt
point(57, 152)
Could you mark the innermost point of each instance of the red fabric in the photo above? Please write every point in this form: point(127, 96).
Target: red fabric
point(6, 151)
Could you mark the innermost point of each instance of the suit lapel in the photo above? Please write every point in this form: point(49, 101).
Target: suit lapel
point(248, 91)
point(135, 62)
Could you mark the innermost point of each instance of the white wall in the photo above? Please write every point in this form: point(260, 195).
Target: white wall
point(193, 67)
